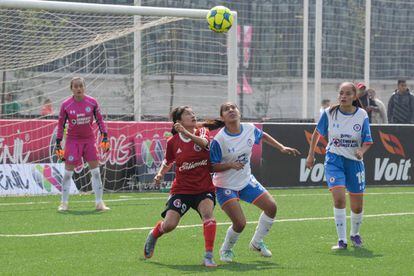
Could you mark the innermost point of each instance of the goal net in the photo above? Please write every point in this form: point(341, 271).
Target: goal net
point(137, 67)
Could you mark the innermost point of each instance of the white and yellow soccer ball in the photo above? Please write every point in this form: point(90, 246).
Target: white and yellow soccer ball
point(220, 19)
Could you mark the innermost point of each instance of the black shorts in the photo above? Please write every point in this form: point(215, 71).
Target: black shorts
point(182, 202)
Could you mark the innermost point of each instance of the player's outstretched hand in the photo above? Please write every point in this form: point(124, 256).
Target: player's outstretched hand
point(105, 146)
point(290, 151)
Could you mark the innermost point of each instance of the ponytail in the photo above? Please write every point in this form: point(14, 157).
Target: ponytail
point(213, 124)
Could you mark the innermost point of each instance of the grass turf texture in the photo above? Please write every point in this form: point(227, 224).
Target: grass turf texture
point(300, 247)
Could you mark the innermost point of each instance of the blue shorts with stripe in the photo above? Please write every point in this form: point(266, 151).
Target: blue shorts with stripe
point(250, 193)
point(341, 171)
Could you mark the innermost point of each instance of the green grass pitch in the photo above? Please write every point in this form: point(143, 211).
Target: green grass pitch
point(35, 239)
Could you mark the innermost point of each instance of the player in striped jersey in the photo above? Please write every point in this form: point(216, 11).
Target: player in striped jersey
point(188, 148)
point(230, 155)
point(349, 135)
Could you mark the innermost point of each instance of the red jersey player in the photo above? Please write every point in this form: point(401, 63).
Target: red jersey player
point(192, 186)
point(80, 111)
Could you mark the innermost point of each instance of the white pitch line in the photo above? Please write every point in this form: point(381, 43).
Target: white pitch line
point(183, 226)
point(164, 198)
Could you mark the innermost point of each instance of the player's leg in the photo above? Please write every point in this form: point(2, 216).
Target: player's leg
point(205, 209)
point(67, 176)
point(72, 159)
point(176, 207)
point(335, 177)
point(90, 155)
point(97, 186)
point(256, 194)
point(356, 188)
point(339, 202)
point(229, 202)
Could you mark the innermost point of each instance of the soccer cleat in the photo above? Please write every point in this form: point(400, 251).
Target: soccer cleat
point(63, 207)
point(149, 246)
point(226, 256)
point(208, 260)
point(356, 241)
point(261, 248)
point(102, 207)
point(340, 246)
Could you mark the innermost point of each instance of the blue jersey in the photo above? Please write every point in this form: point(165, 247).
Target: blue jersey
point(227, 147)
point(346, 131)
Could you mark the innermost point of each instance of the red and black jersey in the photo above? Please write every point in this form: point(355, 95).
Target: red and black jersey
point(192, 164)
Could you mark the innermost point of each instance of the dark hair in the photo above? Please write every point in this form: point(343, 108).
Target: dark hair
point(401, 81)
point(217, 123)
point(176, 114)
point(357, 103)
point(77, 78)
point(325, 101)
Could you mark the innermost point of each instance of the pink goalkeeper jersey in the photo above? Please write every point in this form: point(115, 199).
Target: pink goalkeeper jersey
point(80, 116)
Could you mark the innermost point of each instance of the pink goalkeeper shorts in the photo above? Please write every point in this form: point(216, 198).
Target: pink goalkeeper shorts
point(75, 150)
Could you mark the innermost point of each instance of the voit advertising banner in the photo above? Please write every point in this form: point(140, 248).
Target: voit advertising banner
point(387, 162)
point(32, 179)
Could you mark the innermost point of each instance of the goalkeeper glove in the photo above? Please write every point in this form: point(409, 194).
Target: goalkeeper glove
point(60, 153)
point(105, 142)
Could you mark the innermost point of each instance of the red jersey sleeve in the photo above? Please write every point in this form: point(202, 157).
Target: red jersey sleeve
point(169, 152)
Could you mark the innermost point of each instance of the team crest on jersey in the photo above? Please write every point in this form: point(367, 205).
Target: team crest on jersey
point(177, 203)
point(250, 142)
point(70, 158)
point(88, 109)
point(197, 147)
point(227, 192)
point(73, 121)
point(332, 179)
point(357, 127)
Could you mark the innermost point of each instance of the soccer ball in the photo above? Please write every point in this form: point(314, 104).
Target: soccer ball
point(220, 19)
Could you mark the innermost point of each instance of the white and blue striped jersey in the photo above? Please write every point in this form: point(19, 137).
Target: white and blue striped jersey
point(227, 147)
point(346, 131)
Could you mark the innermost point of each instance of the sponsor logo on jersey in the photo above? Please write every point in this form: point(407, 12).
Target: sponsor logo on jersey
point(191, 165)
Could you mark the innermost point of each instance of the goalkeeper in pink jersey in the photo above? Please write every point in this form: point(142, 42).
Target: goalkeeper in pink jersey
point(79, 111)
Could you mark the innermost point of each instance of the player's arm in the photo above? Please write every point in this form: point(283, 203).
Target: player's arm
point(102, 128)
point(216, 159)
point(162, 171)
point(310, 160)
point(276, 144)
point(199, 140)
point(61, 126)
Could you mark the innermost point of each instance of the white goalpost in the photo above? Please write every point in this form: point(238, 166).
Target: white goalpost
point(138, 61)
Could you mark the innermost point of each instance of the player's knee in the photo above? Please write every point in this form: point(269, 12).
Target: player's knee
point(340, 203)
point(238, 226)
point(67, 175)
point(271, 210)
point(357, 210)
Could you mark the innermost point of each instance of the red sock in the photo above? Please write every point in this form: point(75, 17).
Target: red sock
point(157, 231)
point(209, 227)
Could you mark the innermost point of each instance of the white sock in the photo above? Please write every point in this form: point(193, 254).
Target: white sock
point(263, 227)
point(230, 239)
point(67, 176)
point(340, 221)
point(97, 184)
point(356, 221)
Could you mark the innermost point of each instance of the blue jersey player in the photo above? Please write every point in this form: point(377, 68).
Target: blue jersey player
point(349, 135)
point(230, 153)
